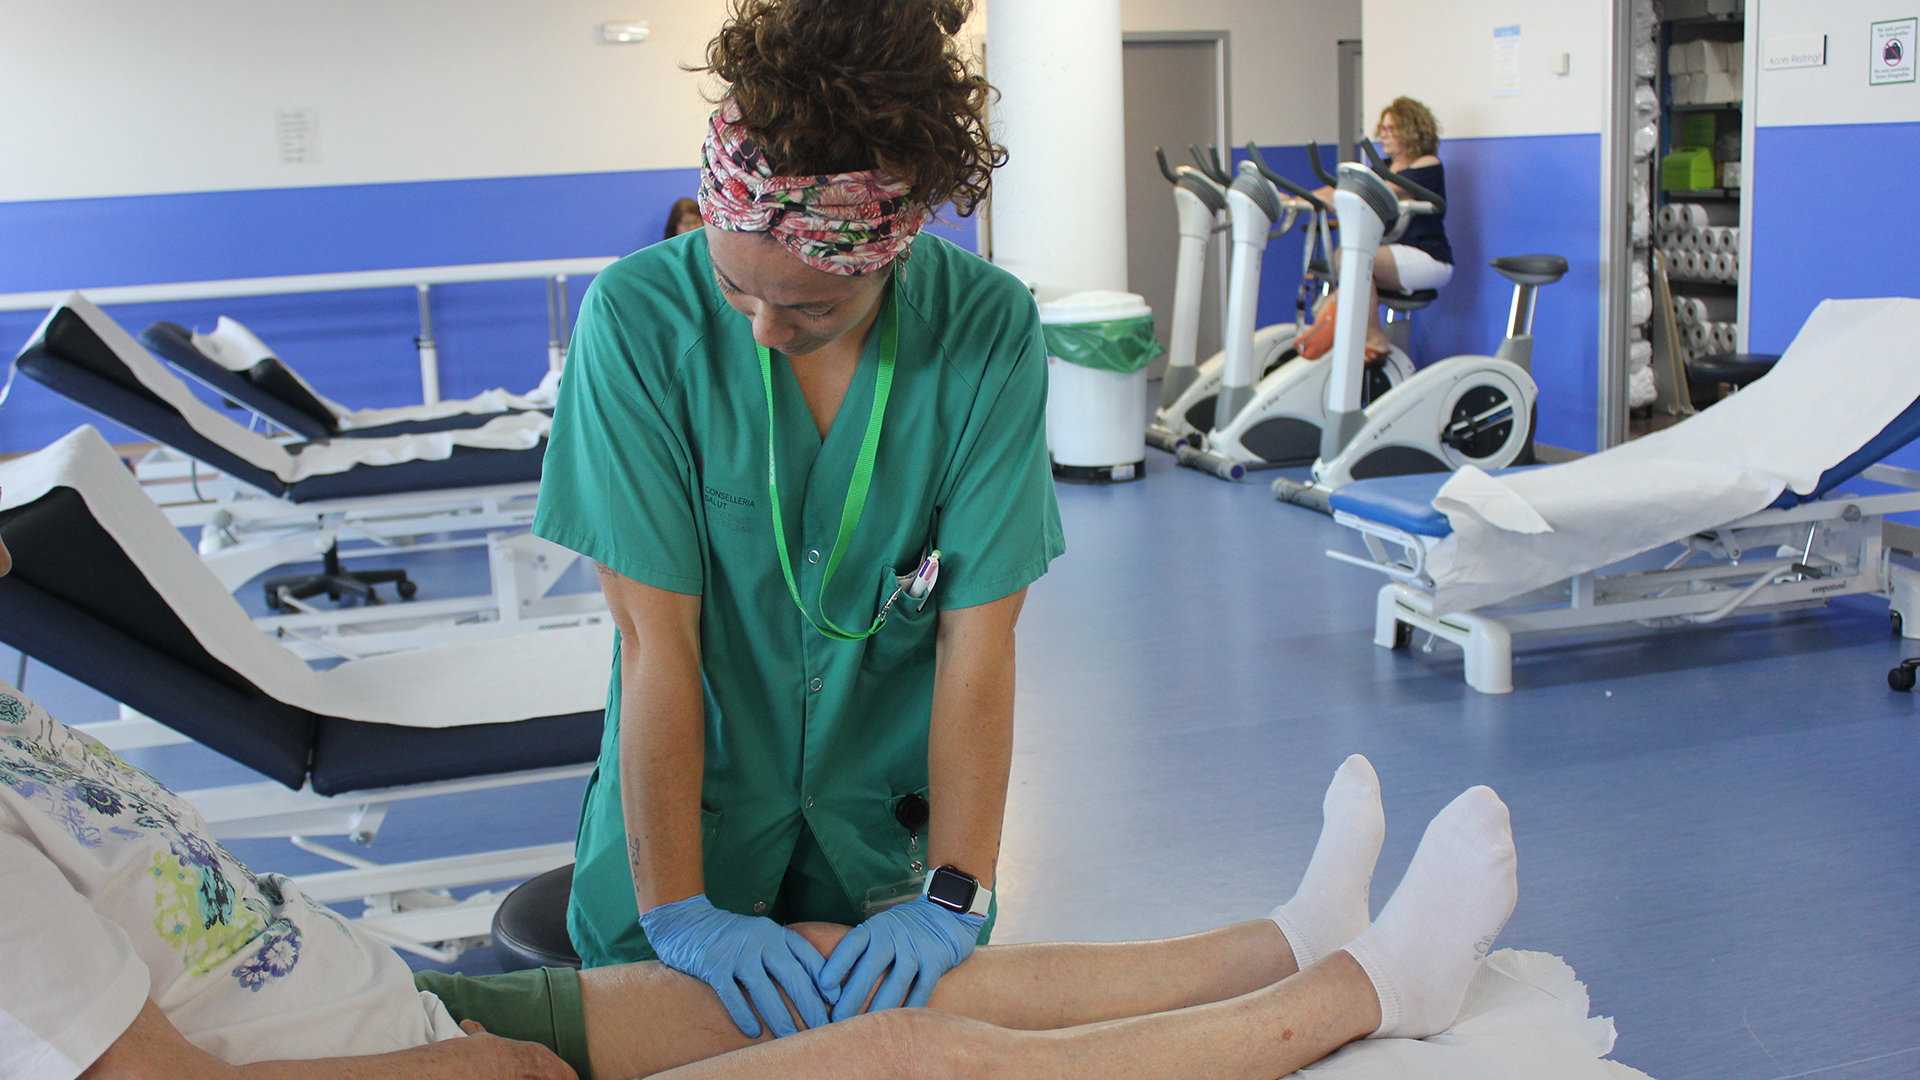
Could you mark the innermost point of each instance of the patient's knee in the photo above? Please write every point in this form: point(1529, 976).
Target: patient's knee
point(822, 936)
point(939, 1045)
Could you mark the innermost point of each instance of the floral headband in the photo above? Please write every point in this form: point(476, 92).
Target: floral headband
point(843, 223)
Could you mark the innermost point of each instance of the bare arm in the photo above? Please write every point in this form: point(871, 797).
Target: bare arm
point(153, 1049)
point(970, 743)
point(662, 737)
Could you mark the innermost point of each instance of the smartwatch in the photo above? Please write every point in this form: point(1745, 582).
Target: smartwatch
point(957, 891)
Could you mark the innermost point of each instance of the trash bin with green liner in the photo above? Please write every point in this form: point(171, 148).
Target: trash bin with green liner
point(1098, 348)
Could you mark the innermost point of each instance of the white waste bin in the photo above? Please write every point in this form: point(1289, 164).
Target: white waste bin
point(1098, 348)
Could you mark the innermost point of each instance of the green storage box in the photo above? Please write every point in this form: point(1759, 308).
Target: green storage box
point(1687, 169)
point(1698, 129)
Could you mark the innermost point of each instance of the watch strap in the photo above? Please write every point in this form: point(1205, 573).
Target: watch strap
point(982, 896)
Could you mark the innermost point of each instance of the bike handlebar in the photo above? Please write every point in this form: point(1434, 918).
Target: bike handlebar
point(1210, 165)
point(1283, 183)
point(1380, 168)
point(1319, 170)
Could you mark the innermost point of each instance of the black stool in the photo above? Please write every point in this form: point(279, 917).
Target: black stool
point(1706, 373)
point(530, 926)
point(336, 583)
point(1400, 308)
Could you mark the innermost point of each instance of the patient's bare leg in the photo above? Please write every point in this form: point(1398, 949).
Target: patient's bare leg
point(1404, 976)
point(1261, 1035)
point(645, 1017)
point(642, 1018)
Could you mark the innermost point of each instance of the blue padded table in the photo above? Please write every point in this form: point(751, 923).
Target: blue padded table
point(73, 361)
point(1406, 502)
point(272, 390)
point(76, 601)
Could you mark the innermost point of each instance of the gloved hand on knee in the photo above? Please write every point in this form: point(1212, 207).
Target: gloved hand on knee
point(912, 944)
point(732, 952)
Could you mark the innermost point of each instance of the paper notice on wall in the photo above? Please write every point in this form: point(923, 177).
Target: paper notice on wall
point(298, 134)
point(1892, 59)
point(1506, 61)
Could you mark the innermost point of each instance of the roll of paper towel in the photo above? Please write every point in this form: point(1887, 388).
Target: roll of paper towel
point(1640, 305)
point(1701, 215)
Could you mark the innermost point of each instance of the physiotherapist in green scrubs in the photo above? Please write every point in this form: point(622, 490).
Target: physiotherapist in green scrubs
point(806, 446)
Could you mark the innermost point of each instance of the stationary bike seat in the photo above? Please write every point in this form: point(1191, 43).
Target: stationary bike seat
point(1408, 301)
point(1531, 269)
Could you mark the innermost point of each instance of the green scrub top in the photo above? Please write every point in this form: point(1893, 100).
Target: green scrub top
point(657, 468)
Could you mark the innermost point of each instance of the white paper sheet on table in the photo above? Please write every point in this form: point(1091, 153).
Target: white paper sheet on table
point(1853, 368)
point(517, 431)
point(235, 347)
point(1525, 1018)
point(485, 681)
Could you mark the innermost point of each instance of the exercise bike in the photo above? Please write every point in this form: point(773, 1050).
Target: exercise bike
point(1464, 410)
point(1277, 420)
point(1190, 387)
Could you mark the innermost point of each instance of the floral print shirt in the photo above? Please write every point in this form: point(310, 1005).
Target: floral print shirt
point(112, 891)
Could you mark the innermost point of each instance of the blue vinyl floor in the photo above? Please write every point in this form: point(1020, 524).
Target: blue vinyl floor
point(1717, 827)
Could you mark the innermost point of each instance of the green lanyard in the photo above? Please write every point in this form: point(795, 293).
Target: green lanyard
point(856, 488)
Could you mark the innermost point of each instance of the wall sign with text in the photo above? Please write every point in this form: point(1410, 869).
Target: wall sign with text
point(1892, 51)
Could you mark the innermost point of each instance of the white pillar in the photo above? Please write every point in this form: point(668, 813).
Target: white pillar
point(1060, 204)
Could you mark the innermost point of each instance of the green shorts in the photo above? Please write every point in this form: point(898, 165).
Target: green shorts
point(540, 1005)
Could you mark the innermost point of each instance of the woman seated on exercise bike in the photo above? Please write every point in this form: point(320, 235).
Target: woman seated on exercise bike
point(1421, 258)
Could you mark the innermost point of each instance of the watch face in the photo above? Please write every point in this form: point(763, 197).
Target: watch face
point(951, 889)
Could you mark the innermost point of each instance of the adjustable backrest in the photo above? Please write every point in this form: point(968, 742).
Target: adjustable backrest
point(76, 602)
point(269, 388)
point(1904, 429)
point(71, 360)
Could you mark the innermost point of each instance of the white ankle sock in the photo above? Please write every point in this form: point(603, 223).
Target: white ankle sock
point(1330, 907)
point(1443, 918)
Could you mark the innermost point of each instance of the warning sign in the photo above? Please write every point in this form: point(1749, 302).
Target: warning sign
point(1892, 43)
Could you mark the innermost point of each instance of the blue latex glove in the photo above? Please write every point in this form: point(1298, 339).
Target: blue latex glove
point(918, 940)
point(733, 952)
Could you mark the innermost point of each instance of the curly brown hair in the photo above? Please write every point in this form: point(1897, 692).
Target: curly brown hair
point(1414, 125)
point(828, 86)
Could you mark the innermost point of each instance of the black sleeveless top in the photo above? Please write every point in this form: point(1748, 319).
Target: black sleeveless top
point(1428, 232)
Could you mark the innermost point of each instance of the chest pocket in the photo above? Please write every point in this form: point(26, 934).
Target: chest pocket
point(908, 636)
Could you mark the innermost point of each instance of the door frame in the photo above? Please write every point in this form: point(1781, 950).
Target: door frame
point(1223, 78)
point(1223, 101)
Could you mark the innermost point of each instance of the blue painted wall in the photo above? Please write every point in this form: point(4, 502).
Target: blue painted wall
point(1518, 196)
point(355, 347)
point(1812, 184)
point(1505, 196)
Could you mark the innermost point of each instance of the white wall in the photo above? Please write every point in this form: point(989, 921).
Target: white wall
point(119, 97)
point(1281, 58)
point(1443, 54)
point(1839, 92)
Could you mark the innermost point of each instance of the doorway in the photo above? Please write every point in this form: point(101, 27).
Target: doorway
point(1175, 90)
